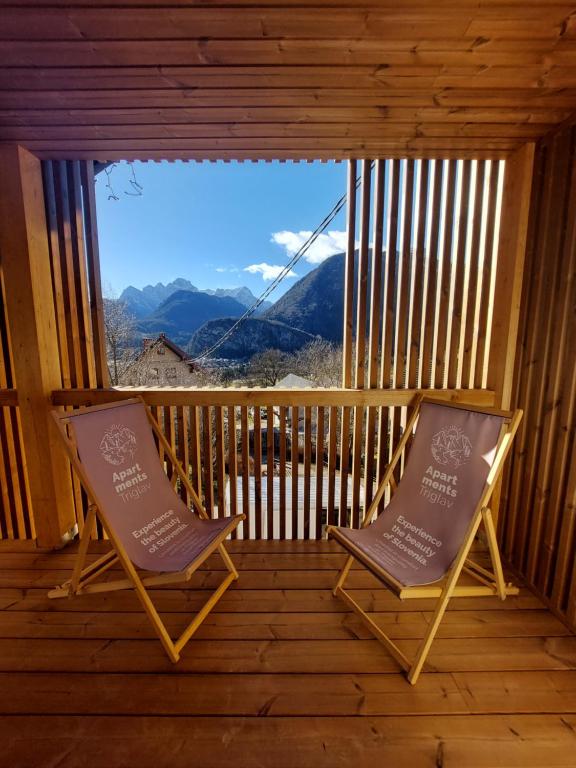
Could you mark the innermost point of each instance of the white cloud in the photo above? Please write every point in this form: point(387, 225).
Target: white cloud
point(325, 245)
point(221, 269)
point(227, 269)
point(268, 271)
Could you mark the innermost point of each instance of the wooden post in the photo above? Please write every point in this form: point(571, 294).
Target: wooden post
point(30, 308)
point(508, 288)
point(509, 274)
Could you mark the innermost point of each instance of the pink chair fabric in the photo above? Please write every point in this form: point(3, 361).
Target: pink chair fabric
point(117, 450)
point(418, 535)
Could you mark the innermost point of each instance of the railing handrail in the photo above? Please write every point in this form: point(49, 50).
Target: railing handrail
point(263, 396)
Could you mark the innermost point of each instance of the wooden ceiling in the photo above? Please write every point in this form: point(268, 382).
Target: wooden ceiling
point(194, 79)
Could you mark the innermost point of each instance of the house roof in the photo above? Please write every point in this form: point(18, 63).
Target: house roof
point(293, 381)
point(262, 79)
point(164, 340)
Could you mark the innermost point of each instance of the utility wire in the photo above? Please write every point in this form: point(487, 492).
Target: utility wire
point(277, 280)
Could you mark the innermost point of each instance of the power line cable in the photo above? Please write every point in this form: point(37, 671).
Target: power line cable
point(278, 279)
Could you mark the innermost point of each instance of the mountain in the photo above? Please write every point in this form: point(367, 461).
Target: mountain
point(254, 335)
point(185, 311)
point(316, 302)
point(313, 307)
point(143, 302)
point(243, 295)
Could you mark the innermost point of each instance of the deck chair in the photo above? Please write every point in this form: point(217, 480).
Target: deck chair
point(426, 531)
point(113, 451)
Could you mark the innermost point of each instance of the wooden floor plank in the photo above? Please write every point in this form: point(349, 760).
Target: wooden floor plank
point(208, 579)
point(529, 741)
point(281, 626)
point(311, 600)
point(285, 656)
point(286, 695)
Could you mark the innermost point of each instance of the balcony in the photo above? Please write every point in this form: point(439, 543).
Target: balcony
point(458, 126)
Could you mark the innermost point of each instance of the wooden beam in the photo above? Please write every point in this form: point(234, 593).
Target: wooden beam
point(30, 309)
point(260, 397)
point(509, 274)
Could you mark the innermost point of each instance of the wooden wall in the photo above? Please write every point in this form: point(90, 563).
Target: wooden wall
point(72, 251)
point(539, 502)
point(419, 294)
point(76, 285)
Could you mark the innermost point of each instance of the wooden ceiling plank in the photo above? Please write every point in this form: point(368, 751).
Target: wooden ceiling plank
point(265, 52)
point(280, 130)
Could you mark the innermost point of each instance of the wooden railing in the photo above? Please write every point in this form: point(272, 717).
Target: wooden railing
point(291, 460)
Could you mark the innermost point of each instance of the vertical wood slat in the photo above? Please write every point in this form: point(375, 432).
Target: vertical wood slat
point(404, 284)
point(257, 433)
point(344, 465)
point(183, 448)
point(94, 276)
point(220, 453)
point(347, 332)
point(420, 274)
point(444, 275)
point(233, 464)
point(490, 321)
point(195, 450)
point(332, 451)
point(362, 308)
point(431, 287)
point(270, 446)
point(375, 323)
point(493, 171)
point(294, 452)
point(319, 456)
point(86, 339)
point(461, 270)
point(388, 311)
point(56, 268)
point(476, 233)
point(207, 462)
point(245, 442)
point(68, 273)
point(282, 470)
point(307, 470)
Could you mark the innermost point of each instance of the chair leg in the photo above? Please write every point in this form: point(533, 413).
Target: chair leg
point(488, 521)
point(343, 574)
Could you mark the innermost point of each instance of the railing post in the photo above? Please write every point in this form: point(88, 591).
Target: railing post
point(25, 263)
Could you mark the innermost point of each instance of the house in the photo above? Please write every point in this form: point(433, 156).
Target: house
point(161, 363)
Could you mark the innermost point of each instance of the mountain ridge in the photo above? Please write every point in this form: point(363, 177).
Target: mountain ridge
point(142, 302)
point(183, 312)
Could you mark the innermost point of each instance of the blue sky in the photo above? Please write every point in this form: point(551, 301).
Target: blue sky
point(216, 224)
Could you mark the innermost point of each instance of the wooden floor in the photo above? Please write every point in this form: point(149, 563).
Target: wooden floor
point(280, 675)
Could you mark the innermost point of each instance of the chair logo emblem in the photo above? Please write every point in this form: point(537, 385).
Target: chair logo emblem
point(451, 446)
point(118, 444)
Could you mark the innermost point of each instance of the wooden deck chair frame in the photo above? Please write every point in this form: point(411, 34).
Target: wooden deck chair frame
point(489, 582)
point(83, 578)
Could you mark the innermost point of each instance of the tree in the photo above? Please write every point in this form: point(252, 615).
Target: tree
point(120, 330)
point(268, 367)
point(320, 361)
